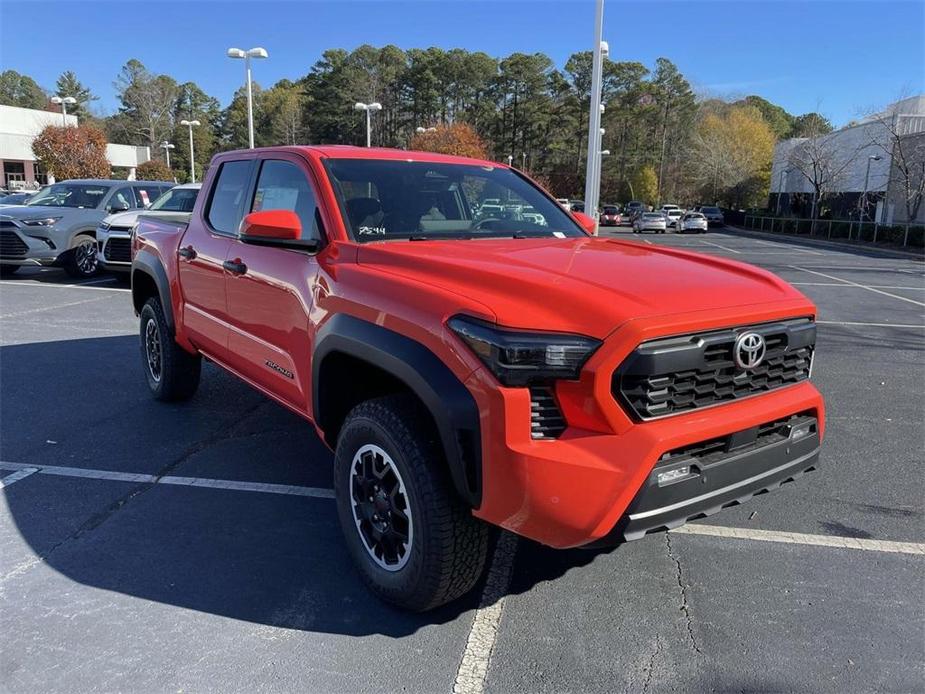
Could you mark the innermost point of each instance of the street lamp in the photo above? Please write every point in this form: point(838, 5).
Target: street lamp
point(238, 53)
point(872, 157)
point(166, 146)
point(64, 101)
point(192, 157)
point(420, 129)
point(369, 108)
point(510, 159)
point(592, 169)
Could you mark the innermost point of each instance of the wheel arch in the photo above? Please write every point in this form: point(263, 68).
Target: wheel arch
point(149, 278)
point(376, 361)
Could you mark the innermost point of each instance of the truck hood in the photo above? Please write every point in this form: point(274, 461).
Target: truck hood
point(39, 211)
point(586, 285)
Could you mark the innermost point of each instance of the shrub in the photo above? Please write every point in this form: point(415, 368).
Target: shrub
point(154, 170)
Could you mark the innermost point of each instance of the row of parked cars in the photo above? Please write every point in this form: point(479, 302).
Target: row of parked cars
point(642, 218)
point(84, 225)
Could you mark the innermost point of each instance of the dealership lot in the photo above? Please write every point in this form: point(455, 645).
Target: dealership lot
point(194, 547)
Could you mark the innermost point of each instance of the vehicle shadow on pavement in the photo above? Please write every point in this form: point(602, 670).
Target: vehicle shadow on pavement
point(271, 559)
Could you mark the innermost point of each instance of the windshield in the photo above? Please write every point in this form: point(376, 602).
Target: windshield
point(384, 200)
point(610, 210)
point(70, 195)
point(709, 210)
point(652, 215)
point(176, 200)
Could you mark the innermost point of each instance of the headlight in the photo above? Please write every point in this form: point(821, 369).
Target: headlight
point(43, 222)
point(521, 358)
point(104, 226)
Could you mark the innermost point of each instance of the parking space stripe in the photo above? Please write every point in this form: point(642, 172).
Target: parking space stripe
point(842, 284)
point(803, 539)
point(473, 668)
point(869, 325)
point(139, 478)
point(46, 285)
point(862, 286)
point(16, 476)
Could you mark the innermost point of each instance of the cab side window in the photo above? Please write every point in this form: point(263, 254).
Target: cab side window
point(283, 186)
point(227, 205)
point(121, 200)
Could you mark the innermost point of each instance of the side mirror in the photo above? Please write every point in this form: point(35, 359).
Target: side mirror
point(280, 228)
point(118, 207)
point(587, 223)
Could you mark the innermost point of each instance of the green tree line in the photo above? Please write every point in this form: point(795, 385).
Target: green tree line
point(522, 105)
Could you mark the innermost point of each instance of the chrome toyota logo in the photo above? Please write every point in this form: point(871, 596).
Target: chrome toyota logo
point(749, 350)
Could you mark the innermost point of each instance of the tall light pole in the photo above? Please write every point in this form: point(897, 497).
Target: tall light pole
point(421, 129)
point(192, 155)
point(64, 101)
point(246, 56)
point(872, 157)
point(166, 146)
point(510, 160)
point(592, 169)
point(780, 187)
point(369, 108)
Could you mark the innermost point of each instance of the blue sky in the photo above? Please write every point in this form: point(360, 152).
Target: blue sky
point(823, 54)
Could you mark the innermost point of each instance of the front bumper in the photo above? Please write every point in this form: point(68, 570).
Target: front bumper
point(19, 248)
point(114, 249)
point(583, 486)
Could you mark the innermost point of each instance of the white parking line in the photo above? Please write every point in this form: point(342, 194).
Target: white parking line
point(267, 488)
point(16, 476)
point(473, 668)
point(17, 314)
point(803, 539)
point(47, 285)
point(862, 286)
point(869, 325)
point(725, 248)
point(842, 284)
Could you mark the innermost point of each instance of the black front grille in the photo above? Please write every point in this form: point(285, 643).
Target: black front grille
point(11, 245)
point(678, 374)
point(118, 250)
point(546, 420)
point(6, 224)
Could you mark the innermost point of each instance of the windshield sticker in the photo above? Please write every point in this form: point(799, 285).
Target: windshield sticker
point(372, 231)
point(558, 234)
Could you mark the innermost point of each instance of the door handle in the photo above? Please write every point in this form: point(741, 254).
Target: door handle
point(235, 267)
point(187, 253)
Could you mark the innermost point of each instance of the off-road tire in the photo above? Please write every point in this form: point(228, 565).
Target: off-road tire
point(178, 374)
point(75, 264)
point(449, 546)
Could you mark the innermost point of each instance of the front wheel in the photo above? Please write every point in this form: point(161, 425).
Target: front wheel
point(414, 542)
point(82, 261)
point(172, 373)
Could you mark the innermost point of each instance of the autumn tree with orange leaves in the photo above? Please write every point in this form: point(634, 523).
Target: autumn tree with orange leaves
point(72, 152)
point(458, 139)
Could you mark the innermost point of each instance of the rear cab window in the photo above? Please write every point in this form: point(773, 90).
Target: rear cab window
point(227, 201)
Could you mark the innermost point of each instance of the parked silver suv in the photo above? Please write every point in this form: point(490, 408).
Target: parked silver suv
point(114, 234)
point(58, 226)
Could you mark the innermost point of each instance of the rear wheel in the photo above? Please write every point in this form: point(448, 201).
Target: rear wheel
point(172, 373)
point(415, 544)
point(82, 261)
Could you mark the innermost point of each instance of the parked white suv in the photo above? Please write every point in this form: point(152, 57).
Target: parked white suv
point(114, 234)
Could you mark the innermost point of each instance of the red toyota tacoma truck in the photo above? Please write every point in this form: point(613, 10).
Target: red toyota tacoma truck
point(475, 364)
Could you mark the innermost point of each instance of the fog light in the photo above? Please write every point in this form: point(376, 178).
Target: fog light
point(801, 431)
point(673, 475)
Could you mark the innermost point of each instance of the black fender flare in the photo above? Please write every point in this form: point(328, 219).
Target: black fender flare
point(148, 263)
point(452, 406)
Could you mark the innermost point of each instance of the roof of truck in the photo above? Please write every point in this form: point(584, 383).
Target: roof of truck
point(353, 152)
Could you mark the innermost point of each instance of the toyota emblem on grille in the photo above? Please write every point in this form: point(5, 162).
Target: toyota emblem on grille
point(749, 350)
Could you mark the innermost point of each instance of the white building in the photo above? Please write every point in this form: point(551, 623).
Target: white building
point(19, 126)
point(848, 152)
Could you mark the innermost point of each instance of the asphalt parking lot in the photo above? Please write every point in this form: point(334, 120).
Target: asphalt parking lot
point(150, 547)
